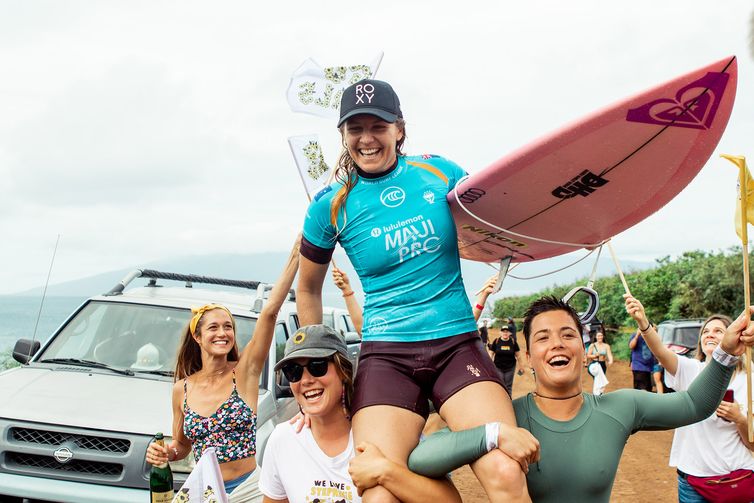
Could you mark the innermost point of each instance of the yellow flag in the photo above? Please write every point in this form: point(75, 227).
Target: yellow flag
point(740, 161)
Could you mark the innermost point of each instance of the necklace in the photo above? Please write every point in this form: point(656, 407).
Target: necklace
point(214, 373)
point(556, 397)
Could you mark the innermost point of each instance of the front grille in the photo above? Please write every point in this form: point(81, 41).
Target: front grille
point(56, 438)
point(48, 463)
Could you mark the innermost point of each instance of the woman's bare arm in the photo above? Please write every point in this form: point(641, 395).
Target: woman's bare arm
point(309, 291)
point(254, 355)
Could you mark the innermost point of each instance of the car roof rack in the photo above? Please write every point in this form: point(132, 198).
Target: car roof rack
point(190, 279)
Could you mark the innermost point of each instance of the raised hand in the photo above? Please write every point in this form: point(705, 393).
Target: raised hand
point(341, 279)
point(740, 334)
point(635, 310)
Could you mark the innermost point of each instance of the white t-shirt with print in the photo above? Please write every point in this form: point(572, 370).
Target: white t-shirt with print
point(713, 446)
point(296, 468)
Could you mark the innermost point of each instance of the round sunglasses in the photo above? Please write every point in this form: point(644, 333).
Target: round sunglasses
point(317, 367)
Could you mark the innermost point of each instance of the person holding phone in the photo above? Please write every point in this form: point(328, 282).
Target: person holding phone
point(713, 457)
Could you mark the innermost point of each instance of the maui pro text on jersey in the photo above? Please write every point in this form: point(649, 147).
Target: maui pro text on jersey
point(410, 237)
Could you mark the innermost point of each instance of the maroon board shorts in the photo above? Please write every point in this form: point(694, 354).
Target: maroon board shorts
point(406, 374)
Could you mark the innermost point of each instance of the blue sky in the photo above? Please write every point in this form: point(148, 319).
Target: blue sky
point(146, 130)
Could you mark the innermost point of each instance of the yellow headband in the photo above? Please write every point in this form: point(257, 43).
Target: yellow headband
point(199, 312)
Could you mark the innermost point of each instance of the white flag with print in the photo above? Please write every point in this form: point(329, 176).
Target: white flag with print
point(317, 91)
point(204, 483)
point(307, 152)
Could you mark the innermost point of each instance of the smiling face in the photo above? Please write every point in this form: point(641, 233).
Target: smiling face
point(599, 337)
point(318, 396)
point(215, 333)
point(371, 142)
point(712, 333)
point(556, 353)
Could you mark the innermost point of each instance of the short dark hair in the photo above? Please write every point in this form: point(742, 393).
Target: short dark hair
point(544, 305)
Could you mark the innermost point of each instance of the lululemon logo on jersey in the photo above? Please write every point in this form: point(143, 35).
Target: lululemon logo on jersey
point(376, 232)
point(364, 93)
point(411, 237)
point(582, 184)
point(377, 325)
point(392, 197)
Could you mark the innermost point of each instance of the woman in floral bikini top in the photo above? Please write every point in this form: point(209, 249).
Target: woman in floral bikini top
point(231, 430)
point(217, 387)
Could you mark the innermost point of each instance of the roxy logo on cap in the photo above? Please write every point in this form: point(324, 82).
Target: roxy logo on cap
point(364, 93)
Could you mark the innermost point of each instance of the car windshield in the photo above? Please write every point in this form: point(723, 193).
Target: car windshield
point(134, 336)
point(680, 336)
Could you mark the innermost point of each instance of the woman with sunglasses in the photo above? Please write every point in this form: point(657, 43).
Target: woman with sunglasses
point(216, 390)
point(390, 213)
point(314, 463)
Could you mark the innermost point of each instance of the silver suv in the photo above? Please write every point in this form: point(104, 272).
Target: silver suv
point(76, 418)
point(681, 336)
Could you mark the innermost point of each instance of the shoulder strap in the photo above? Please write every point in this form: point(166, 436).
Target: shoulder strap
point(234, 377)
point(185, 394)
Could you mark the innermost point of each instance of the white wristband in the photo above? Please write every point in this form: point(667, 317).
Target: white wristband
point(723, 358)
point(492, 430)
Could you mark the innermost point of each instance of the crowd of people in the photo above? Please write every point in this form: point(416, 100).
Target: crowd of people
point(421, 353)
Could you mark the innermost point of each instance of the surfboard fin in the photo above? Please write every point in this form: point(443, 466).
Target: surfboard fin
point(505, 263)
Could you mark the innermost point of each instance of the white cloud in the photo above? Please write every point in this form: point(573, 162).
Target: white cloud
point(139, 130)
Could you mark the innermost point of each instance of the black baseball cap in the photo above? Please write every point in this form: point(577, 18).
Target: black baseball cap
point(373, 97)
point(313, 341)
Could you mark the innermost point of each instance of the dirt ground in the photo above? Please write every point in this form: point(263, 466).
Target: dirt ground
point(643, 473)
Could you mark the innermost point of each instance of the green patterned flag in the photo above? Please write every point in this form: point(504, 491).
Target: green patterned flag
point(317, 91)
point(307, 153)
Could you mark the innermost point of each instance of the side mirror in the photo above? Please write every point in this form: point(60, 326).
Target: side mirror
point(25, 349)
point(352, 337)
point(282, 386)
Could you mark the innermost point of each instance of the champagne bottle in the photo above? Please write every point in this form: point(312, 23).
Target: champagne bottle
point(161, 479)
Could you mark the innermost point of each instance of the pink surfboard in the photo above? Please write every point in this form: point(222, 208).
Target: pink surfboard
point(598, 176)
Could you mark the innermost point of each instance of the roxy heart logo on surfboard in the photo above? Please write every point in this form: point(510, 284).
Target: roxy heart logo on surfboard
point(694, 105)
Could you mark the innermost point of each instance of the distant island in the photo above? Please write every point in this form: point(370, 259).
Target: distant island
point(266, 266)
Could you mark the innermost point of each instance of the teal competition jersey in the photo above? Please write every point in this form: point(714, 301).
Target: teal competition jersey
point(401, 239)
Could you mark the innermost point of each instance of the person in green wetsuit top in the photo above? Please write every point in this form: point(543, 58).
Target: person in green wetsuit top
point(568, 422)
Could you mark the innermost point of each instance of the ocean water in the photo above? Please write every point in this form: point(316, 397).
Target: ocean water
point(18, 315)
